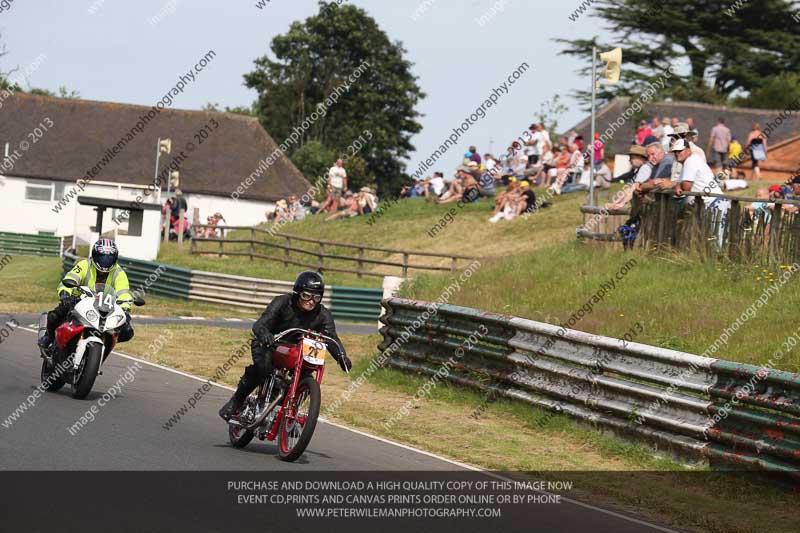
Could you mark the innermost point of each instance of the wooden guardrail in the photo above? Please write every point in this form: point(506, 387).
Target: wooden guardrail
point(706, 409)
point(321, 253)
point(669, 223)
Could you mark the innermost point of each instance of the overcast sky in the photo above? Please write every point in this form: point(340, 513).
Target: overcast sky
point(117, 54)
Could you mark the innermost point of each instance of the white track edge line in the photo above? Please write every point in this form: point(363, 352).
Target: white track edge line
point(404, 446)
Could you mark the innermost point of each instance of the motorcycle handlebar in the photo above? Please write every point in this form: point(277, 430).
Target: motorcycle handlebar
point(283, 334)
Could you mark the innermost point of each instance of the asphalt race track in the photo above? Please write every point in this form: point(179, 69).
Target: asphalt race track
point(128, 435)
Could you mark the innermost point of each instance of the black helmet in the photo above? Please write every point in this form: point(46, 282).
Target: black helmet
point(104, 255)
point(309, 282)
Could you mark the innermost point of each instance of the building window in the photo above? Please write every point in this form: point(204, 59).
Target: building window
point(39, 190)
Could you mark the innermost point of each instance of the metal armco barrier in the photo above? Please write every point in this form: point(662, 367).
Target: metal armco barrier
point(22, 244)
point(356, 303)
point(673, 400)
point(155, 278)
point(345, 303)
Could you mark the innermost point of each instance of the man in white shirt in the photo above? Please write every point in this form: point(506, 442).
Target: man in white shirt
point(337, 179)
point(696, 175)
point(435, 186)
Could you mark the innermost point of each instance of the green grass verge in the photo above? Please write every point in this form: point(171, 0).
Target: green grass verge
point(680, 304)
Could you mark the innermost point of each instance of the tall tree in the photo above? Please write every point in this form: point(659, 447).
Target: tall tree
point(720, 49)
point(317, 56)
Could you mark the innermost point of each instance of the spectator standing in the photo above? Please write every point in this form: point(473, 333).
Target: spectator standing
point(692, 127)
point(533, 149)
point(719, 141)
point(337, 182)
point(643, 132)
point(658, 128)
point(599, 152)
point(178, 204)
point(757, 145)
point(668, 131)
point(735, 151)
point(220, 222)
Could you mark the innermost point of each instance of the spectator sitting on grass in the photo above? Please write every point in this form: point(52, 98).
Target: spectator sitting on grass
point(514, 203)
point(281, 212)
point(208, 233)
point(528, 197)
point(367, 202)
point(296, 209)
point(573, 167)
point(465, 188)
point(602, 179)
point(434, 187)
point(500, 200)
point(349, 208)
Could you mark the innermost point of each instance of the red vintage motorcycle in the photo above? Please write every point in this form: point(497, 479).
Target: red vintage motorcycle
point(287, 404)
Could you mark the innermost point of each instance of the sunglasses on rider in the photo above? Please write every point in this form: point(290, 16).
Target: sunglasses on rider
point(308, 296)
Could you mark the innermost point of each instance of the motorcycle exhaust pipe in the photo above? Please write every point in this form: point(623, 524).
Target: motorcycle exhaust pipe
point(267, 411)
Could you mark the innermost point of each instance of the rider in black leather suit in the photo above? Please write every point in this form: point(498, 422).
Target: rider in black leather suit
point(300, 309)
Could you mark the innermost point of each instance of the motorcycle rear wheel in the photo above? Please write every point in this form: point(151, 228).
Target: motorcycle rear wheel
point(84, 378)
point(299, 420)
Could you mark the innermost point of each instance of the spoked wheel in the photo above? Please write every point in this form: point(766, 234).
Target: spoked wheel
point(299, 420)
point(239, 436)
point(83, 379)
point(50, 381)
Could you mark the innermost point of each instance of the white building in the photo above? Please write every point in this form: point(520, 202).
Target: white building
point(52, 147)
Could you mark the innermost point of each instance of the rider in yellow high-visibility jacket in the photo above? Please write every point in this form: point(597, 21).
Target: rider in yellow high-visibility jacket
point(100, 272)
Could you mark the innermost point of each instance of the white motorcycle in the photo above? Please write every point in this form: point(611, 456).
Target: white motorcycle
point(84, 341)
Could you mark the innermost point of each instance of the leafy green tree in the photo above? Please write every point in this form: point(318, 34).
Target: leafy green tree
point(776, 92)
point(720, 49)
point(237, 110)
point(63, 92)
point(549, 113)
point(313, 159)
point(317, 56)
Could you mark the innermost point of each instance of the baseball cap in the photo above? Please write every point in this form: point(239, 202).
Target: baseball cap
point(524, 184)
point(679, 146)
point(473, 164)
point(775, 188)
point(650, 139)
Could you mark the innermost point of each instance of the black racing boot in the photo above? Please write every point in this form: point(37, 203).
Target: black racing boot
point(231, 408)
point(236, 402)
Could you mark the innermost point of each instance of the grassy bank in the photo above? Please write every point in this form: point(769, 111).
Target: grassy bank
point(403, 226)
point(510, 437)
point(680, 304)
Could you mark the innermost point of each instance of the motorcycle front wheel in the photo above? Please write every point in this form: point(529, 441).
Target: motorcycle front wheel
point(50, 381)
point(299, 420)
point(84, 377)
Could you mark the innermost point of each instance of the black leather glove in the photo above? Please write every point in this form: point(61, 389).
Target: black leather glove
point(267, 340)
point(345, 363)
